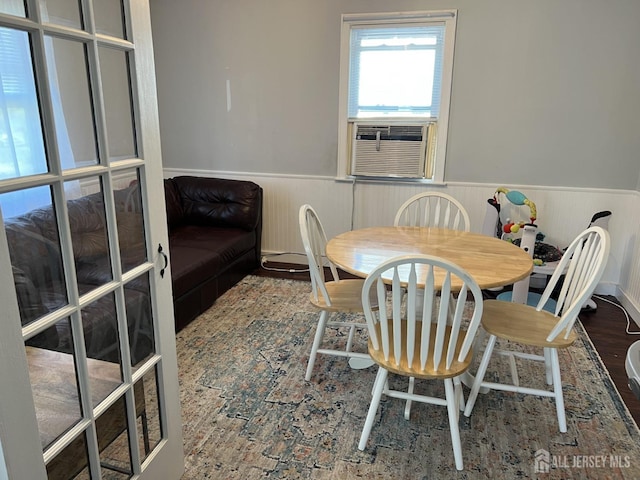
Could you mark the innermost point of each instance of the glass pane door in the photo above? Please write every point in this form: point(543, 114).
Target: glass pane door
point(82, 216)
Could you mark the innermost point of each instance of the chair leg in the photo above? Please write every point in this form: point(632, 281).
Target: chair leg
point(373, 408)
point(375, 382)
point(547, 366)
point(407, 407)
point(322, 323)
point(452, 409)
point(557, 388)
point(459, 394)
point(482, 369)
point(352, 331)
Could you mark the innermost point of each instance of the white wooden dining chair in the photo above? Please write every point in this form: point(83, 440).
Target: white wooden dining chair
point(584, 261)
point(416, 339)
point(329, 295)
point(433, 209)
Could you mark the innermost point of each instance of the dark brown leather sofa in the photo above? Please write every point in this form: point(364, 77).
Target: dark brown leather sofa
point(215, 229)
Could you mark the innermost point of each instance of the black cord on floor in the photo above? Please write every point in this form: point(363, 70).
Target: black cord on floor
point(265, 258)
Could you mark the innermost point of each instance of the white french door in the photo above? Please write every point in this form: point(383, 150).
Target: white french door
point(88, 369)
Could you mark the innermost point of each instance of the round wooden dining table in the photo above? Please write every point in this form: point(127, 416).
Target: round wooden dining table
point(490, 261)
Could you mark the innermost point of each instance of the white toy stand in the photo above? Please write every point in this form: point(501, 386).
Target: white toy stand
point(520, 292)
point(491, 227)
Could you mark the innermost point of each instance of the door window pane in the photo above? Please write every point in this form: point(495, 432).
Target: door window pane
point(71, 462)
point(89, 233)
point(36, 257)
point(139, 319)
point(21, 147)
point(114, 67)
point(62, 12)
point(72, 107)
point(100, 328)
point(109, 17)
point(130, 220)
point(13, 7)
point(148, 413)
point(55, 392)
point(113, 442)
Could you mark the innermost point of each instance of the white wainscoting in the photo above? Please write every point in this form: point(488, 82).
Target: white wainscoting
point(342, 205)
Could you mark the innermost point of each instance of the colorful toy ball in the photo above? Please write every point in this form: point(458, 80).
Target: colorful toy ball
point(515, 197)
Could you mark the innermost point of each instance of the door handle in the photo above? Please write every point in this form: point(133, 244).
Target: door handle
point(166, 259)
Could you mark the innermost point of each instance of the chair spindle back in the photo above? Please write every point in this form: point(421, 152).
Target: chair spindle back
point(586, 258)
point(314, 241)
point(416, 330)
point(431, 209)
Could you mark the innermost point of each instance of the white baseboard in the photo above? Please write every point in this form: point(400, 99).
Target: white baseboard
point(629, 305)
point(607, 288)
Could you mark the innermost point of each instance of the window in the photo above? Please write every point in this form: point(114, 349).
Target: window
point(395, 84)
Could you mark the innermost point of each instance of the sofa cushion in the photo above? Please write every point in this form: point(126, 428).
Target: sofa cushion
point(219, 202)
point(199, 253)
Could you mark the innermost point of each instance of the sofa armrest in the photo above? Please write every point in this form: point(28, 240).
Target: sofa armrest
point(220, 202)
point(29, 302)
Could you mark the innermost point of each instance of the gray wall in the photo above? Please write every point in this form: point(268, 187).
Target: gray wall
point(544, 92)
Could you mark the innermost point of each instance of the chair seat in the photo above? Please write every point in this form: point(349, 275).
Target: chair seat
point(415, 370)
point(346, 296)
point(523, 324)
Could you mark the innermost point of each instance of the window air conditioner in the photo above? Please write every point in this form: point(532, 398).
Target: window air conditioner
point(389, 150)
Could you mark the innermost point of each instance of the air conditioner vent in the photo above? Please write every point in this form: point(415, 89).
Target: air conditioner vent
point(389, 150)
point(390, 132)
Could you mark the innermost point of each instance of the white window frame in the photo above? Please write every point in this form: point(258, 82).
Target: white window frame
point(449, 18)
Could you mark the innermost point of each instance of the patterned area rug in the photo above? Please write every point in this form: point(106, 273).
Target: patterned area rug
point(248, 412)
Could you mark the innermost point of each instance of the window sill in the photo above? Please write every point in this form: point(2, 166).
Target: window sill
point(354, 179)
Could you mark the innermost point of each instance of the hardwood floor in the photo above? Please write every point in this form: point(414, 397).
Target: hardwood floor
point(606, 327)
